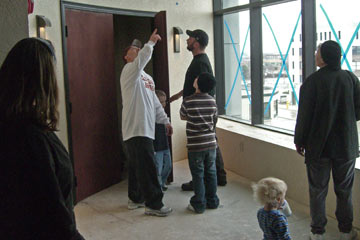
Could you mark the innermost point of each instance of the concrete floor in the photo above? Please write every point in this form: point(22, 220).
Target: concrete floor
point(104, 216)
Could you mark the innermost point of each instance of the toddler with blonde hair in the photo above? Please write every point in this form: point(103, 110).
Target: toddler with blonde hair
point(271, 192)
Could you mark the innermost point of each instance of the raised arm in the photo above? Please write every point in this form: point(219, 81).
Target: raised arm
point(145, 53)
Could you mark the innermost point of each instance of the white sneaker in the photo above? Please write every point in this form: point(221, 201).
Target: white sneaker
point(349, 236)
point(163, 212)
point(133, 205)
point(316, 236)
point(191, 208)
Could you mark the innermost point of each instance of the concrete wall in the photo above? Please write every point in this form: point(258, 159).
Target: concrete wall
point(13, 24)
point(255, 153)
point(190, 14)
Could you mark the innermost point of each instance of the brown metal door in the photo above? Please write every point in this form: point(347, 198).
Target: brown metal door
point(95, 141)
point(160, 61)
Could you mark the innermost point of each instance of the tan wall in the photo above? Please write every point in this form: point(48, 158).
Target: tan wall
point(190, 14)
point(13, 25)
point(253, 159)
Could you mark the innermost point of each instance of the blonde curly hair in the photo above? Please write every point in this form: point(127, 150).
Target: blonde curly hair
point(268, 190)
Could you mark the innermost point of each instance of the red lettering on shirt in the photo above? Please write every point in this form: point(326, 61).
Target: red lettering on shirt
point(148, 83)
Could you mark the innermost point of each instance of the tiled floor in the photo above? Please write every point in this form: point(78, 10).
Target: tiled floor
point(104, 216)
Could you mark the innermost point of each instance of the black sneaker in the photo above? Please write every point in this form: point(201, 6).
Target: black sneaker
point(187, 186)
point(221, 182)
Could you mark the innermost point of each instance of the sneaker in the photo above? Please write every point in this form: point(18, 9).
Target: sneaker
point(349, 236)
point(191, 208)
point(221, 182)
point(316, 236)
point(187, 186)
point(164, 188)
point(133, 205)
point(162, 212)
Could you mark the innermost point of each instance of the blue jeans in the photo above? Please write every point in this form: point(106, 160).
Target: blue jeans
point(163, 165)
point(203, 171)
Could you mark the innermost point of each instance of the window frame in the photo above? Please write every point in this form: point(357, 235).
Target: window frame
point(308, 45)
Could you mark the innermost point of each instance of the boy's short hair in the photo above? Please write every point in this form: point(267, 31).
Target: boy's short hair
point(206, 82)
point(160, 93)
point(267, 190)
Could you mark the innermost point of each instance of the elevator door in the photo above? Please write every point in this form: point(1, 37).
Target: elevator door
point(97, 153)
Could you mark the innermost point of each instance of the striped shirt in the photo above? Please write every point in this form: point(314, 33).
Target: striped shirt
point(200, 111)
point(274, 224)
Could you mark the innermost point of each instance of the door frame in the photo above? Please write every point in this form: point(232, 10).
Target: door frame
point(90, 8)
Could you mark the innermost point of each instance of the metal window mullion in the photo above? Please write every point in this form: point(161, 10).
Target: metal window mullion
point(219, 62)
point(252, 4)
point(308, 9)
point(257, 90)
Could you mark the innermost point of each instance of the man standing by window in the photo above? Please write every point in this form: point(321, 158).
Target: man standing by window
point(196, 43)
point(326, 133)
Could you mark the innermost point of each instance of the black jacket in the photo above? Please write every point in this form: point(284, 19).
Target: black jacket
point(328, 110)
point(36, 185)
point(199, 64)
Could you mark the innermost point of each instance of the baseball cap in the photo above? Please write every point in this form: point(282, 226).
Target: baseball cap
point(200, 36)
point(136, 43)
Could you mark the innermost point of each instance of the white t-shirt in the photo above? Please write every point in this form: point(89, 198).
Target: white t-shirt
point(141, 107)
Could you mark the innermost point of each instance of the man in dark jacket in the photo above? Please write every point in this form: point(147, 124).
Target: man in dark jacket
point(326, 133)
point(196, 44)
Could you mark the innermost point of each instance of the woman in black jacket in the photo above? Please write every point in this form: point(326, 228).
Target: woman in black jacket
point(36, 175)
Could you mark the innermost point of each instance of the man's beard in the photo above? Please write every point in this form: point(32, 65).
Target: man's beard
point(190, 47)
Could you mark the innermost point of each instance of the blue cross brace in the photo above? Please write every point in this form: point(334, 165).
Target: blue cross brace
point(283, 64)
point(239, 65)
point(337, 38)
point(282, 58)
point(350, 43)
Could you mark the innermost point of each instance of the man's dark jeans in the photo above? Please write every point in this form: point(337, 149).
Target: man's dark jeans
point(143, 182)
point(318, 176)
point(220, 170)
point(203, 171)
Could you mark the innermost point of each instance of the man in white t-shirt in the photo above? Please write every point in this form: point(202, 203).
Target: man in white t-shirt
point(141, 110)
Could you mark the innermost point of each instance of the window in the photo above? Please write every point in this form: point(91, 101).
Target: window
point(234, 3)
point(280, 81)
point(259, 83)
point(355, 53)
point(237, 65)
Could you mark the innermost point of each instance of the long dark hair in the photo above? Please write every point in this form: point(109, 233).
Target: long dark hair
point(28, 86)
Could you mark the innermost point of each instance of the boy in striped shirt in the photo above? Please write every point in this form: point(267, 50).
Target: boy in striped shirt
point(200, 112)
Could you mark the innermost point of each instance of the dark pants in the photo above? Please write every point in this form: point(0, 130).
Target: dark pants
point(203, 171)
point(343, 176)
point(220, 171)
point(143, 182)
